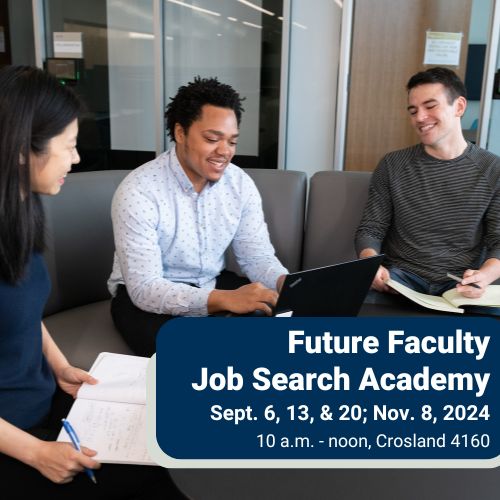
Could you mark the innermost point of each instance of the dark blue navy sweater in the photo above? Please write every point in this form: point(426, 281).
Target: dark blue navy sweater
point(26, 381)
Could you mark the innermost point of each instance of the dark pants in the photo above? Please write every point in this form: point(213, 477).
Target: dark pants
point(139, 328)
point(418, 284)
point(138, 482)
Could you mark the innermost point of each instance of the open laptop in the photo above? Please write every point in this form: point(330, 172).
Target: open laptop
point(337, 290)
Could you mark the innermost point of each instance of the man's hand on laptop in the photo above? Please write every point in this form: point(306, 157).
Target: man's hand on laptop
point(243, 300)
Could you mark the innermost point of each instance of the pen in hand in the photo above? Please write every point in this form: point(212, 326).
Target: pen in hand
point(76, 443)
point(456, 278)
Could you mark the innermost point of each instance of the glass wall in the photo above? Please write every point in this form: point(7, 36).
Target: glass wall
point(22, 43)
point(5, 36)
point(476, 52)
point(493, 143)
point(113, 72)
point(239, 42)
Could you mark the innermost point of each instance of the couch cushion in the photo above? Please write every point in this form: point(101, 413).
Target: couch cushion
point(83, 332)
point(336, 203)
point(80, 245)
point(283, 194)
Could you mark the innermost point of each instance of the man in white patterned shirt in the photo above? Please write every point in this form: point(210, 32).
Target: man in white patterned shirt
point(174, 218)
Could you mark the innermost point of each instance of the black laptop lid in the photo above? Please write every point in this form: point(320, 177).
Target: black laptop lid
point(337, 290)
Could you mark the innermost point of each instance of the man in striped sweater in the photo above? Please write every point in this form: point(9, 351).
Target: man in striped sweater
point(434, 208)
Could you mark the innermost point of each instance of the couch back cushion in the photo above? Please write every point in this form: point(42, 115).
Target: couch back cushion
point(335, 205)
point(283, 194)
point(80, 246)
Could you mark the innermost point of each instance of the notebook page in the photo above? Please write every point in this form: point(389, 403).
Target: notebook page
point(117, 431)
point(490, 297)
point(122, 378)
point(430, 301)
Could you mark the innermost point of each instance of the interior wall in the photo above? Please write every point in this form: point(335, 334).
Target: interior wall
point(312, 90)
point(388, 47)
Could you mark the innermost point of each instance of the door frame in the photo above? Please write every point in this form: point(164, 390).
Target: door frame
point(343, 84)
point(489, 75)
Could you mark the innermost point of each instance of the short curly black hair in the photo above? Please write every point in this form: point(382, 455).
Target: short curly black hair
point(186, 106)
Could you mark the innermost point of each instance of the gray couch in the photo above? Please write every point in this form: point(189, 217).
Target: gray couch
point(335, 205)
point(80, 250)
point(79, 255)
point(80, 246)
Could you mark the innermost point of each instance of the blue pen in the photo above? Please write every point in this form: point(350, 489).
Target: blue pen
point(76, 443)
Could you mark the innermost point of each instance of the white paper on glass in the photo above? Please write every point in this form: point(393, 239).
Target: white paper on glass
point(442, 48)
point(68, 44)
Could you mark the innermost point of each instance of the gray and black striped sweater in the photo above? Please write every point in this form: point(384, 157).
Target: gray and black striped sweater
point(432, 216)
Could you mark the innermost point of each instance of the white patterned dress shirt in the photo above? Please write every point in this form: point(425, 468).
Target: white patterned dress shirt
point(168, 236)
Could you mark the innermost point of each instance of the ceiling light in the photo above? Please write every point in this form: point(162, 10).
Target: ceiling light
point(141, 36)
point(194, 7)
point(252, 25)
point(256, 7)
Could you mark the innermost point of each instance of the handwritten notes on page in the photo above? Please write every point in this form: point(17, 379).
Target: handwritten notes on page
point(110, 417)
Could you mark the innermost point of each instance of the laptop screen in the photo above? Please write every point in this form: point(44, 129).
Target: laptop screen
point(336, 290)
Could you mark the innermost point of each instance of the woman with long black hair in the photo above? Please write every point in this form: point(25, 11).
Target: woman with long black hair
point(38, 134)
